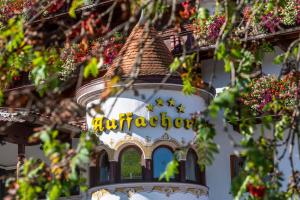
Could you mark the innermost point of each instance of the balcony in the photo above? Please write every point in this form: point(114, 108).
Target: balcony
point(148, 191)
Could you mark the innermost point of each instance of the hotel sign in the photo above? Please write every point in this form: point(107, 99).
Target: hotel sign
point(102, 124)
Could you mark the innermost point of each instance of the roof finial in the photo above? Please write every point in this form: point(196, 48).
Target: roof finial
point(142, 19)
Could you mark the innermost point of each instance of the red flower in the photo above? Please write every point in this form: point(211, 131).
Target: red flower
point(80, 57)
point(55, 6)
point(270, 22)
point(188, 10)
point(75, 31)
point(16, 78)
point(247, 12)
point(256, 191)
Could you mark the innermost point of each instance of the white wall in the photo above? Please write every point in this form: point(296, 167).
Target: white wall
point(218, 174)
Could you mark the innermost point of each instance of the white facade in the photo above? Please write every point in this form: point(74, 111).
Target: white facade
point(128, 102)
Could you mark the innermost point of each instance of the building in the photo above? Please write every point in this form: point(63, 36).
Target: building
point(143, 130)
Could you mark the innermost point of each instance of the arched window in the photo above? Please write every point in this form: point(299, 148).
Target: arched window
point(191, 166)
point(104, 168)
point(130, 163)
point(161, 157)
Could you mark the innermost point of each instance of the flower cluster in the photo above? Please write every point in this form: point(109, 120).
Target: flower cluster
point(215, 27)
point(298, 12)
point(247, 13)
point(188, 10)
point(288, 14)
point(55, 6)
point(256, 191)
point(207, 30)
point(10, 8)
point(112, 48)
point(79, 53)
point(268, 89)
point(270, 22)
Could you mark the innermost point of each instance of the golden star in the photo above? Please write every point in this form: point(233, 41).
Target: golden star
point(150, 107)
point(159, 101)
point(180, 108)
point(171, 102)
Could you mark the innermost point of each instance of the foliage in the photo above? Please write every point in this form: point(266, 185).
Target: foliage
point(206, 147)
point(60, 177)
point(171, 170)
point(189, 73)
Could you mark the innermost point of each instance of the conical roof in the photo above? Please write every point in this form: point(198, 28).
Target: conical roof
point(143, 54)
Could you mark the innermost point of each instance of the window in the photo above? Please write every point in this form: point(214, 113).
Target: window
point(131, 166)
point(104, 168)
point(236, 165)
point(191, 166)
point(161, 157)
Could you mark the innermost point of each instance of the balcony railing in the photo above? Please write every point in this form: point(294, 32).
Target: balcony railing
point(167, 188)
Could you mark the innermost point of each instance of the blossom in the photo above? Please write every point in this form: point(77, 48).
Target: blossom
point(270, 22)
point(55, 6)
point(188, 10)
point(247, 13)
point(215, 27)
point(266, 89)
point(256, 191)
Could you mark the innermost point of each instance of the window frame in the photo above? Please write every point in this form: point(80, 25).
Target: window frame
point(176, 177)
point(196, 167)
point(119, 176)
point(99, 161)
point(234, 161)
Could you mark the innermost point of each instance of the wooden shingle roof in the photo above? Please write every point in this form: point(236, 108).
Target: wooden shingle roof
point(143, 54)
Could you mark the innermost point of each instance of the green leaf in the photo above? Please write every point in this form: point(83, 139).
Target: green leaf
point(279, 59)
point(91, 68)
point(203, 13)
point(243, 188)
point(1, 97)
point(45, 136)
point(175, 65)
point(221, 51)
point(171, 170)
point(227, 65)
point(75, 4)
point(236, 53)
point(270, 6)
point(54, 192)
point(295, 51)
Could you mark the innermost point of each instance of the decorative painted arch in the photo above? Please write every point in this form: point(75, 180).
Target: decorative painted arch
point(110, 152)
point(127, 143)
point(200, 174)
point(172, 144)
point(192, 148)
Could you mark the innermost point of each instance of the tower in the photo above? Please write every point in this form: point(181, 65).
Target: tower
point(143, 124)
